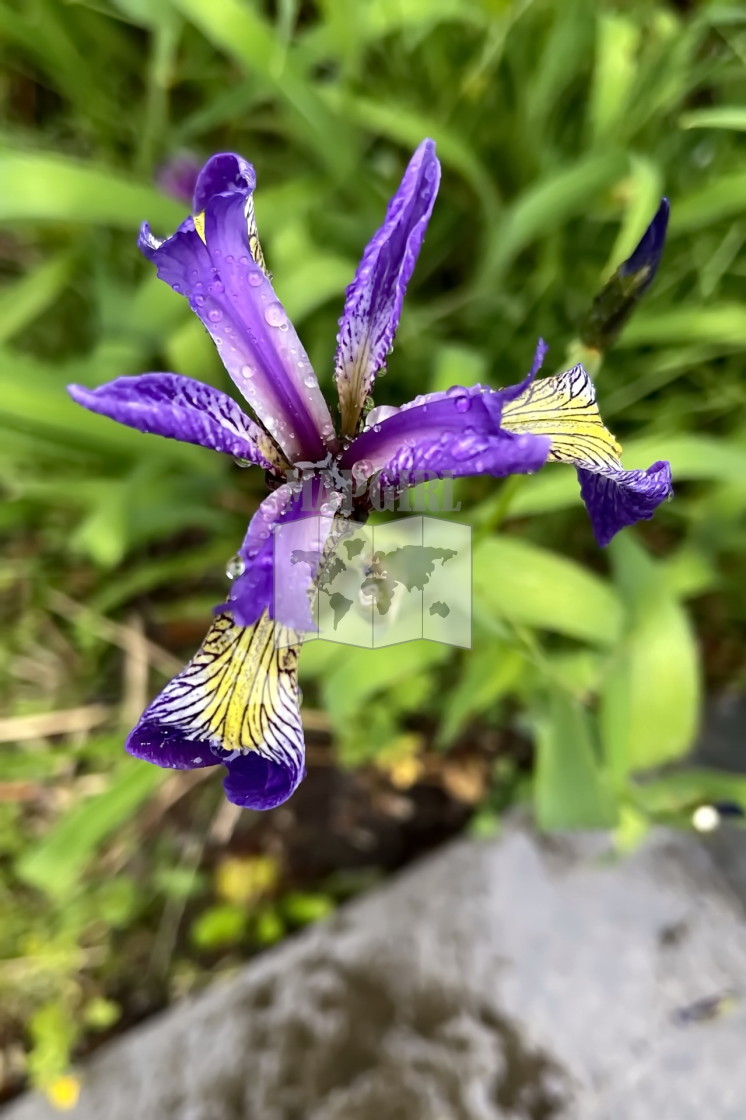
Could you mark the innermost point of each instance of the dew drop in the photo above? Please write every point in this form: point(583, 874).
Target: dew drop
point(215, 316)
point(235, 567)
point(309, 381)
point(275, 315)
point(379, 413)
point(463, 404)
point(255, 278)
point(247, 371)
point(362, 469)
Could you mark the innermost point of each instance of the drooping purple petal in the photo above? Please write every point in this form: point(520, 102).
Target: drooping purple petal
point(235, 703)
point(563, 409)
point(165, 745)
point(256, 782)
point(166, 404)
point(618, 498)
point(214, 261)
point(281, 555)
point(374, 299)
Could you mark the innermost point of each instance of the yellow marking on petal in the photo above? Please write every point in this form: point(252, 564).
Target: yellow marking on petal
point(239, 692)
point(564, 408)
point(199, 225)
point(254, 247)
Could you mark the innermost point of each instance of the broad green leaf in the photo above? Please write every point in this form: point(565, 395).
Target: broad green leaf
point(526, 584)
point(354, 680)
point(650, 700)
point(722, 116)
point(723, 323)
point(569, 789)
point(723, 197)
point(618, 39)
point(487, 674)
point(57, 862)
point(686, 789)
point(36, 187)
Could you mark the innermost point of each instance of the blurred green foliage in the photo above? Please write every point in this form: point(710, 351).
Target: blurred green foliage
point(559, 126)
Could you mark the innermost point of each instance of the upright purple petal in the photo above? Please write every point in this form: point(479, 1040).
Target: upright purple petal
point(215, 261)
point(374, 299)
point(281, 555)
point(224, 173)
point(166, 404)
point(618, 498)
point(236, 703)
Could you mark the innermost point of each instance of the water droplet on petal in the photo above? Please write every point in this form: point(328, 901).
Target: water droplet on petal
point(235, 567)
point(217, 286)
point(379, 414)
point(275, 315)
point(309, 381)
point(247, 371)
point(463, 404)
point(362, 469)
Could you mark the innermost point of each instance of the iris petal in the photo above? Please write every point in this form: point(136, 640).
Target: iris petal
point(618, 498)
point(374, 299)
point(452, 433)
point(281, 554)
point(564, 409)
point(235, 703)
point(214, 260)
point(166, 404)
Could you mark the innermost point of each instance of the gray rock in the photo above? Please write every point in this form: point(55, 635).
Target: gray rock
point(520, 979)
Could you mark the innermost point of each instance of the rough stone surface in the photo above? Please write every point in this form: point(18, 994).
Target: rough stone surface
point(520, 979)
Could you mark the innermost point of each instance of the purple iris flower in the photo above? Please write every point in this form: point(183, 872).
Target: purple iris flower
point(237, 701)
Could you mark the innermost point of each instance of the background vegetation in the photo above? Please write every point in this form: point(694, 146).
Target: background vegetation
point(559, 126)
